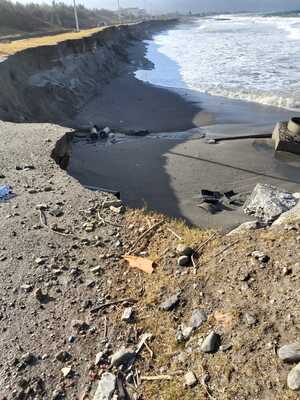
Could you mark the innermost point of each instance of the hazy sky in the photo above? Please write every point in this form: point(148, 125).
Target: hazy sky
point(194, 5)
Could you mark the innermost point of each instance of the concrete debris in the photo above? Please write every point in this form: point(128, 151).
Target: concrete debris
point(66, 371)
point(106, 387)
point(290, 216)
point(286, 136)
point(267, 203)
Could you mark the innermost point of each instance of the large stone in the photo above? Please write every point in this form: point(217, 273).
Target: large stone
point(211, 343)
point(290, 352)
point(106, 387)
point(293, 379)
point(267, 202)
point(198, 318)
point(289, 216)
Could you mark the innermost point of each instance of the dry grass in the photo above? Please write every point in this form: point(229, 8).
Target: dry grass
point(7, 49)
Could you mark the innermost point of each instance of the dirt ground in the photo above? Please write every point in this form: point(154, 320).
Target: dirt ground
point(64, 286)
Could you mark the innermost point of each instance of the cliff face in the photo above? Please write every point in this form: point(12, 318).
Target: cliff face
point(51, 83)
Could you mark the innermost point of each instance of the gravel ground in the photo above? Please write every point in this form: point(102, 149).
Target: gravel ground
point(64, 286)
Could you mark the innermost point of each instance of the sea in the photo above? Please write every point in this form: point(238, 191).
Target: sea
point(247, 57)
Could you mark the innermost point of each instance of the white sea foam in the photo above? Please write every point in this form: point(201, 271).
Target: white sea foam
point(253, 58)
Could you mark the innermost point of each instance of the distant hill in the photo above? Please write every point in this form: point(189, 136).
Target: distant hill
point(16, 18)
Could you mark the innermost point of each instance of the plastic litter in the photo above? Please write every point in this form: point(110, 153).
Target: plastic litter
point(6, 193)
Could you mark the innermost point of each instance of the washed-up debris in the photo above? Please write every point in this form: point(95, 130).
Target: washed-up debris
point(268, 202)
point(141, 263)
point(6, 193)
point(286, 136)
point(214, 201)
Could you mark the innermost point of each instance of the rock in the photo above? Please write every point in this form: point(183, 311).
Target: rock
point(211, 343)
point(190, 379)
point(246, 226)
point(127, 314)
point(40, 296)
point(289, 216)
point(170, 303)
point(183, 333)
point(198, 318)
point(40, 260)
point(106, 387)
point(99, 357)
point(26, 288)
point(117, 210)
point(71, 339)
point(267, 202)
point(290, 352)
point(250, 319)
point(183, 261)
point(97, 269)
point(106, 130)
point(28, 359)
point(63, 356)
point(66, 371)
point(260, 256)
point(293, 379)
point(122, 357)
point(184, 250)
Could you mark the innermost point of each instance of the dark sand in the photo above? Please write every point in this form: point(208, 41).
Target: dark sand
point(165, 174)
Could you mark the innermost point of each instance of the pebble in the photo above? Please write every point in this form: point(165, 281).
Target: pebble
point(99, 357)
point(290, 352)
point(127, 314)
point(66, 371)
point(184, 250)
point(250, 319)
point(293, 379)
point(198, 318)
point(97, 269)
point(106, 387)
point(63, 356)
point(27, 288)
point(121, 357)
point(211, 343)
point(260, 256)
point(28, 358)
point(170, 303)
point(190, 379)
point(183, 261)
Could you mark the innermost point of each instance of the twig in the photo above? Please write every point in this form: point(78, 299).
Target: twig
point(105, 327)
point(206, 241)
point(194, 264)
point(143, 235)
point(43, 218)
point(174, 233)
point(226, 248)
point(149, 349)
point(156, 378)
point(112, 303)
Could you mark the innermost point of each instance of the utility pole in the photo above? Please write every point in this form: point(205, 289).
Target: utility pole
point(76, 16)
point(119, 11)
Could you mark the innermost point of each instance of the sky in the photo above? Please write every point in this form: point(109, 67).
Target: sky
point(193, 5)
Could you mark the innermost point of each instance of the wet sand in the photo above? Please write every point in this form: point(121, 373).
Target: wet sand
point(167, 174)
